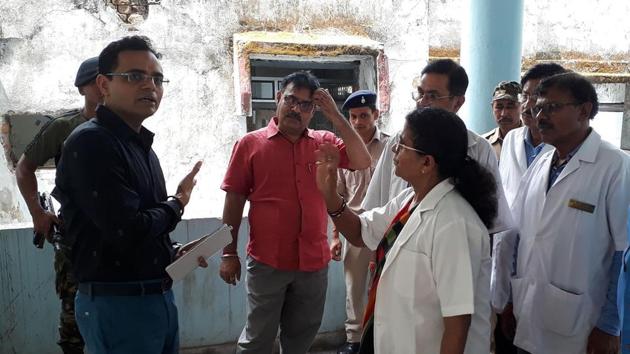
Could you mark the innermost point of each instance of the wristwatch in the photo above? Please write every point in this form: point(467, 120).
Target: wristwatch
point(179, 202)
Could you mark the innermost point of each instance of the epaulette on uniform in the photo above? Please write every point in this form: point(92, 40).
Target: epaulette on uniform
point(69, 113)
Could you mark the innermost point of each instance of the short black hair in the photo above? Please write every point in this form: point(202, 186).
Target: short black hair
point(541, 71)
point(457, 77)
point(108, 59)
point(577, 85)
point(300, 79)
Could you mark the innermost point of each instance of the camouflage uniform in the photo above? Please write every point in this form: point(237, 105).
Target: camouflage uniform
point(47, 144)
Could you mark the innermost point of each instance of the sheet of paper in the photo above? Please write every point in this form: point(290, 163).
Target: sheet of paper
point(209, 245)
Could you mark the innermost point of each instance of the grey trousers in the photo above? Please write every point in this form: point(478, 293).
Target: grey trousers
point(293, 300)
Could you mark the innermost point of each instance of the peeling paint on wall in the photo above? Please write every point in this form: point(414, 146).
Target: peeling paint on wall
point(44, 42)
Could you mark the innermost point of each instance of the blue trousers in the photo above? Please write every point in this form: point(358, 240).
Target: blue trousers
point(144, 324)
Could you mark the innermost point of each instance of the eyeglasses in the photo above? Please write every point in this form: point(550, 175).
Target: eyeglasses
point(524, 97)
point(551, 108)
point(135, 77)
point(430, 96)
point(398, 145)
point(304, 106)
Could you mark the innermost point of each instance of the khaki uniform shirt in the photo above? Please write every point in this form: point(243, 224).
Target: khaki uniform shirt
point(352, 185)
point(49, 141)
point(495, 139)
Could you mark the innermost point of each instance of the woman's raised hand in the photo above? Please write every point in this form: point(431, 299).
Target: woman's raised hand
point(327, 162)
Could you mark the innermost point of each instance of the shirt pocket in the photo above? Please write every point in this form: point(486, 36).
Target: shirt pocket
point(563, 312)
point(413, 277)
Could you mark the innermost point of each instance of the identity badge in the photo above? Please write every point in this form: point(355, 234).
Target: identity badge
point(576, 204)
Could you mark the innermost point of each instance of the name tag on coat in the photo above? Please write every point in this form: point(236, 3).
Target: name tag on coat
point(576, 204)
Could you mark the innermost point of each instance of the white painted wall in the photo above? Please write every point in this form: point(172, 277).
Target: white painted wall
point(597, 27)
point(42, 42)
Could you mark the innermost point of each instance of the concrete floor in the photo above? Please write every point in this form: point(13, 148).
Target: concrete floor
point(325, 343)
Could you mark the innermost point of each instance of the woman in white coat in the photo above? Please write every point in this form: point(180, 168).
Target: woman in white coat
point(431, 290)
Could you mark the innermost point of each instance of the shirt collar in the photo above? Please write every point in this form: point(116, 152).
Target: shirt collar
point(472, 139)
point(495, 136)
point(377, 135)
point(528, 139)
point(114, 123)
point(574, 151)
point(272, 129)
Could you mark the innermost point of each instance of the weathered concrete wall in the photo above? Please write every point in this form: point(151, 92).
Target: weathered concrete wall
point(43, 42)
point(594, 35)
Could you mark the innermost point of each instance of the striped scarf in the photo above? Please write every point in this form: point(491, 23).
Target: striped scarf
point(386, 244)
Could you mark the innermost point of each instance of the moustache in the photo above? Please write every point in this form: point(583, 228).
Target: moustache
point(505, 120)
point(294, 116)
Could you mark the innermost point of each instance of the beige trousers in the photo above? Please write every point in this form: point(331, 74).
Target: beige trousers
point(355, 267)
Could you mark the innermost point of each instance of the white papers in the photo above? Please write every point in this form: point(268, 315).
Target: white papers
point(209, 245)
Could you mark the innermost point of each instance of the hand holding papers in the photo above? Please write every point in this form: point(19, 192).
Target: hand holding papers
point(203, 248)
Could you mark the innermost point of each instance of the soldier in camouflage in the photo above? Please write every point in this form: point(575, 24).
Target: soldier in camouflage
point(46, 145)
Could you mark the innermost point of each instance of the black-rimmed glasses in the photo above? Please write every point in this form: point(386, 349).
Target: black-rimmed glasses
point(304, 106)
point(137, 77)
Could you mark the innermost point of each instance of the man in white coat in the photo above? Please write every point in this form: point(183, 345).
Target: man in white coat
point(522, 145)
point(520, 149)
point(571, 211)
point(442, 84)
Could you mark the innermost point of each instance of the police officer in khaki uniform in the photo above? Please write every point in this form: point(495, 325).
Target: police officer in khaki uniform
point(352, 185)
point(46, 145)
point(507, 113)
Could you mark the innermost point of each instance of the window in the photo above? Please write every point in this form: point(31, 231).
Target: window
point(339, 78)
point(343, 64)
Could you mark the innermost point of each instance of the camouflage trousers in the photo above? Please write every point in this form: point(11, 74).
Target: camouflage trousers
point(70, 339)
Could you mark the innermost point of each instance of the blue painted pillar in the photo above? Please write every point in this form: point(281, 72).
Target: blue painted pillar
point(491, 48)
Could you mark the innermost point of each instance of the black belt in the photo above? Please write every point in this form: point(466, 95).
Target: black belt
point(126, 289)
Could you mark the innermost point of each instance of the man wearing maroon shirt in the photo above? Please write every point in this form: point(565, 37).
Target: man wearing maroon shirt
point(287, 254)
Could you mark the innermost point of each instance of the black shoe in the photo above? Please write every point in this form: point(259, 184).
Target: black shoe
point(349, 348)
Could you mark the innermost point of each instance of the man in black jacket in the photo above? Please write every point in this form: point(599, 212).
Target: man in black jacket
point(117, 212)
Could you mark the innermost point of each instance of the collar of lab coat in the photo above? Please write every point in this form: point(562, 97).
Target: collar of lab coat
point(429, 202)
point(472, 139)
point(586, 153)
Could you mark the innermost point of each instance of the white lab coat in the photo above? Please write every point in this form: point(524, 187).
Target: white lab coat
point(439, 266)
point(514, 161)
point(512, 168)
point(385, 185)
point(565, 253)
